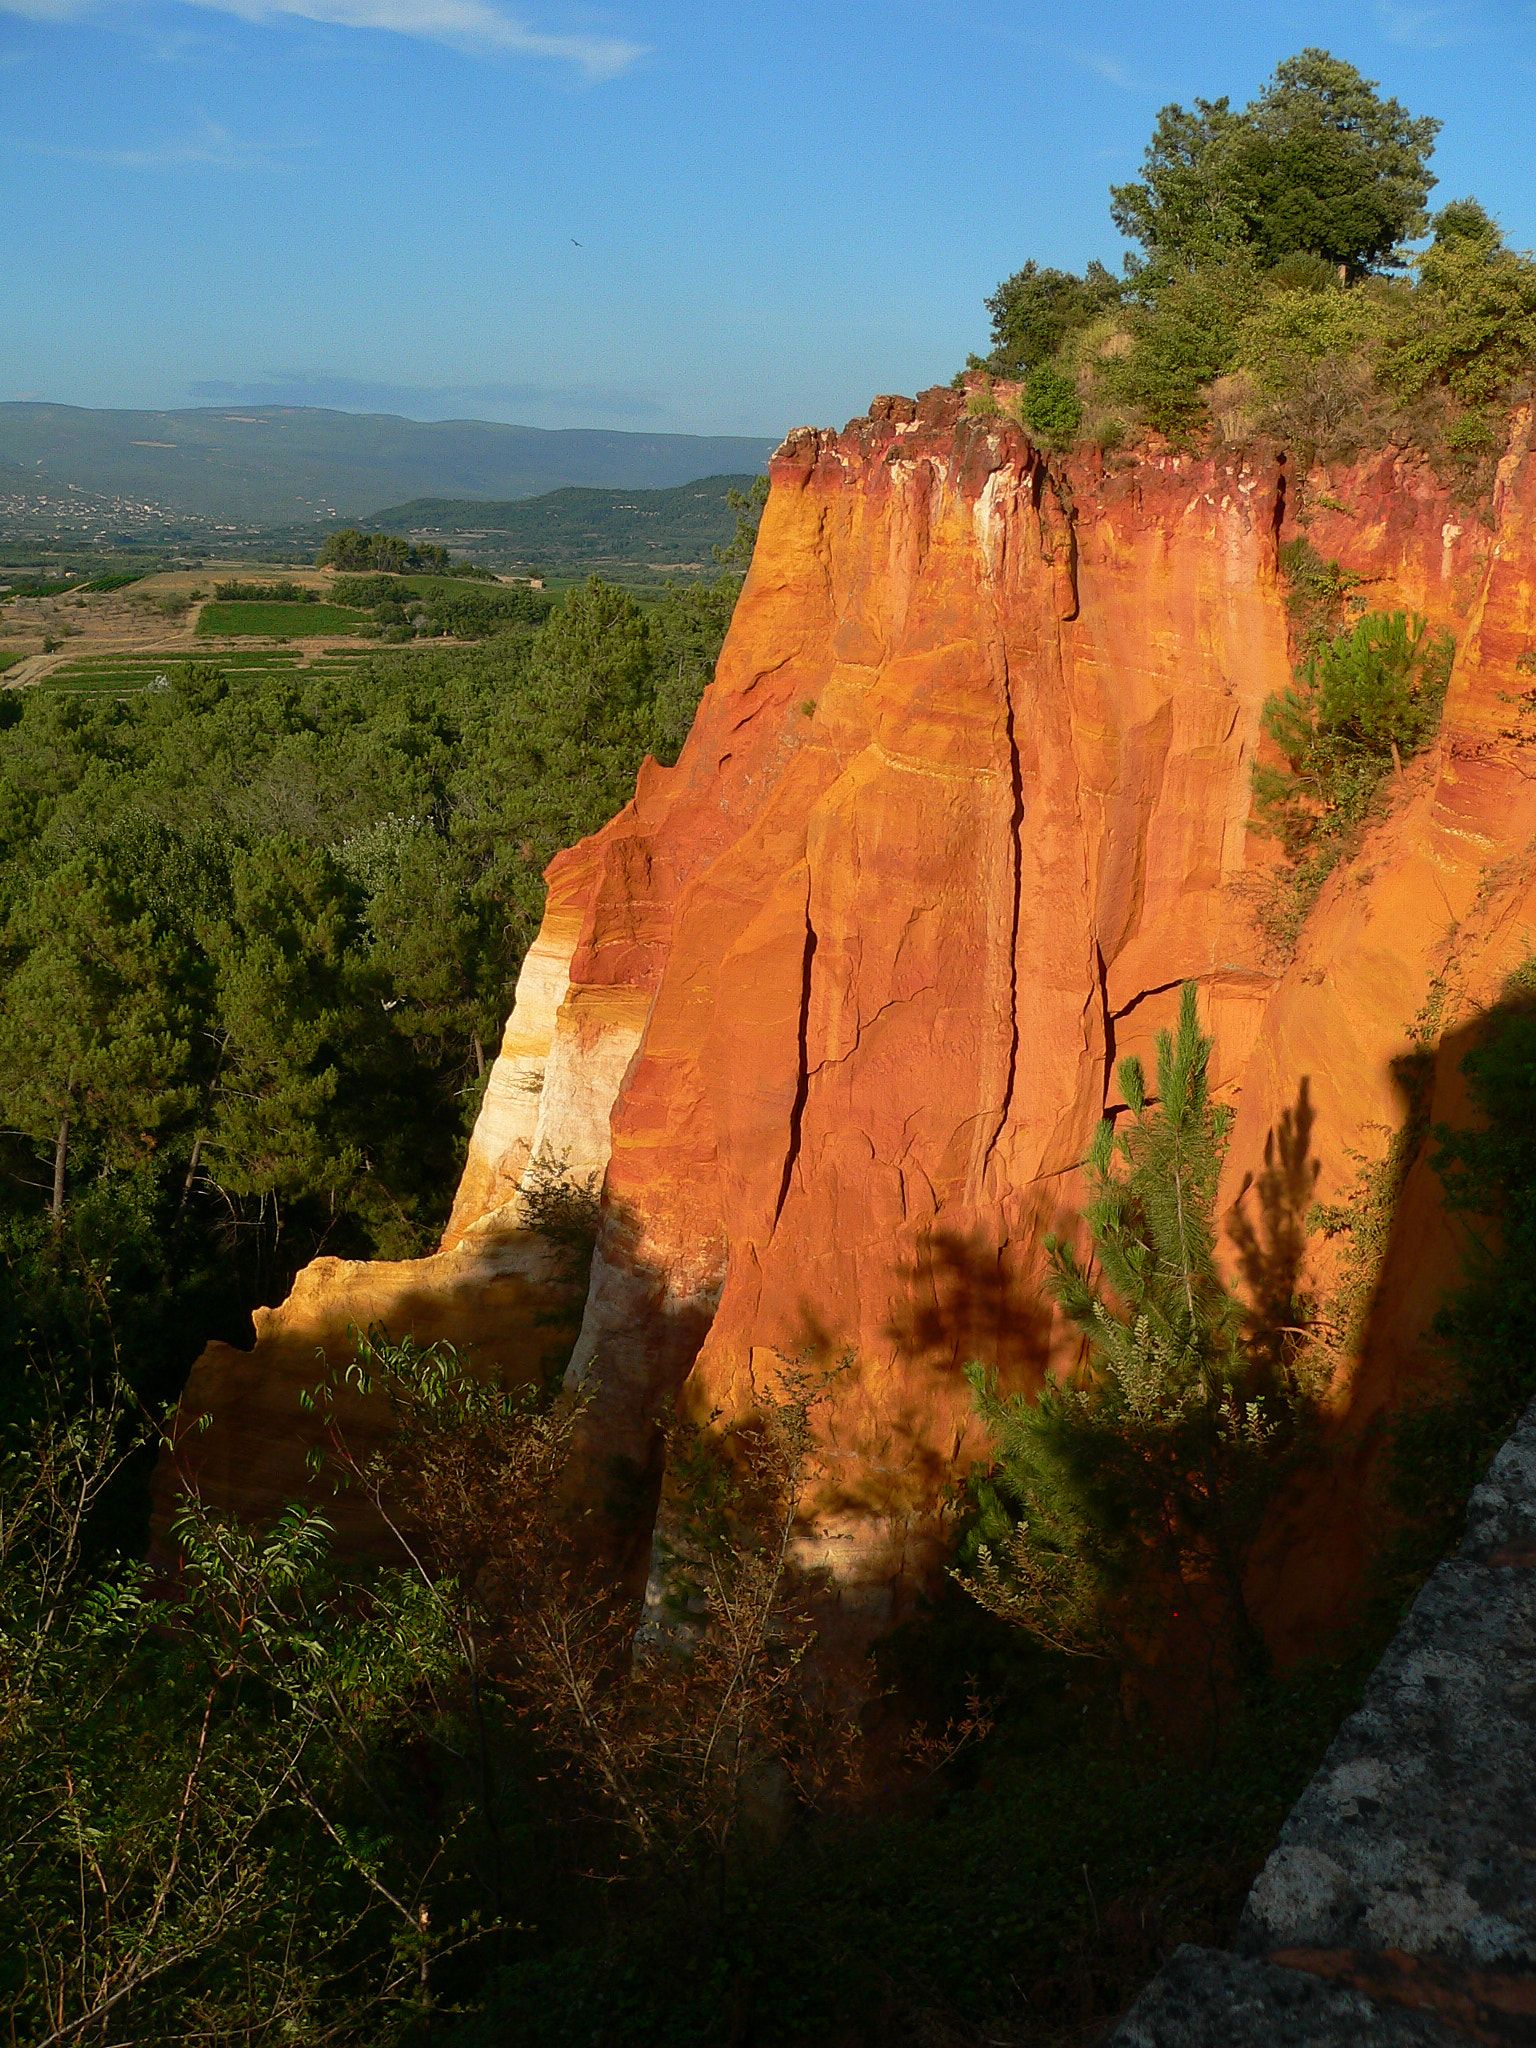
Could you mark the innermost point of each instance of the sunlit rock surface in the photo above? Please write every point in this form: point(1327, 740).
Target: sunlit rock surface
point(837, 1001)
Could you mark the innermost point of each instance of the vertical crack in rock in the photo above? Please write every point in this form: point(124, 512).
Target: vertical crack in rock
point(1109, 1025)
point(803, 1078)
point(1016, 851)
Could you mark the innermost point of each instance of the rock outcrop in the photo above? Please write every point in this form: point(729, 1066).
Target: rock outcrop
point(836, 1002)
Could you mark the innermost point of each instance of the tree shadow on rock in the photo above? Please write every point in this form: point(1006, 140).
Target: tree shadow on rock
point(1272, 1250)
point(967, 1298)
point(1410, 1273)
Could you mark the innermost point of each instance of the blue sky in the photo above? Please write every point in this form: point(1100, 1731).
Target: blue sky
point(781, 209)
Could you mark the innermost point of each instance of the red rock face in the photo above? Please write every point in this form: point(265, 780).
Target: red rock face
point(972, 784)
point(967, 800)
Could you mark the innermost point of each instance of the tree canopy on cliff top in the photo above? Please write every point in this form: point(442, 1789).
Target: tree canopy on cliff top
point(1319, 164)
point(1276, 262)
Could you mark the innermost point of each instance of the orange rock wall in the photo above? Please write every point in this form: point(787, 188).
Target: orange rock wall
point(965, 803)
point(968, 800)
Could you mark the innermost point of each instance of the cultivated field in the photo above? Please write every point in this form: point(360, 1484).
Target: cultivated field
point(122, 639)
point(121, 674)
point(276, 621)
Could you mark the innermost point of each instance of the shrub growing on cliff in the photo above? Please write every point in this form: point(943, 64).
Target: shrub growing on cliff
point(1128, 1497)
point(1470, 325)
point(1181, 344)
point(1310, 346)
point(1365, 702)
point(1274, 239)
point(1034, 311)
point(1050, 407)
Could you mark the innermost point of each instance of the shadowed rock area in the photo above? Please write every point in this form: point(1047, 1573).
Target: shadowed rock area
point(1400, 1901)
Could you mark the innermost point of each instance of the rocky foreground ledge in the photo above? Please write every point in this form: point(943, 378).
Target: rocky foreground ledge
point(1400, 1902)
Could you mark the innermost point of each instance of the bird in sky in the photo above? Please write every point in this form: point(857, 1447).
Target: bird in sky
point(575, 244)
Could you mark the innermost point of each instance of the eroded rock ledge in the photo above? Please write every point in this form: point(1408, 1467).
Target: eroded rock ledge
point(1399, 1904)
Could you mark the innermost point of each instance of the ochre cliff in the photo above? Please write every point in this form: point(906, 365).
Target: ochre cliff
point(837, 1000)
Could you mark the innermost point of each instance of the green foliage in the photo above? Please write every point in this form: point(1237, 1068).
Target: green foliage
point(1180, 344)
point(119, 580)
point(101, 1001)
point(434, 606)
point(1316, 593)
point(1470, 326)
point(1050, 407)
point(190, 1837)
point(1290, 327)
point(1035, 310)
point(1364, 700)
point(259, 928)
point(748, 507)
point(1273, 238)
point(1310, 349)
point(474, 613)
point(1318, 163)
point(364, 553)
point(284, 592)
point(40, 586)
point(1131, 1495)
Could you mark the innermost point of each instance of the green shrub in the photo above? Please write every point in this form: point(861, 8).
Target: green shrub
point(1034, 311)
point(1290, 327)
point(1364, 700)
point(1132, 1493)
point(1050, 407)
point(1316, 593)
point(1471, 435)
point(285, 592)
point(1180, 345)
point(1470, 324)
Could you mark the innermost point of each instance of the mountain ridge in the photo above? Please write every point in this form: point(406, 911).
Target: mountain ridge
point(580, 526)
point(311, 462)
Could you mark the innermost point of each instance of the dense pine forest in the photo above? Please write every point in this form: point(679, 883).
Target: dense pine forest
point(259, 939)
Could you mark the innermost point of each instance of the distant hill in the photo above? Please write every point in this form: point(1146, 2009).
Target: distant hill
point(579, 530)
point(288, 464)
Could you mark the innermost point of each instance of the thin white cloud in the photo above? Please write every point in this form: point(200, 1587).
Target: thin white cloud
point(212, 147)
point(472, 25)
point(1419, 28)
point(468, 24)
point(1107, 68)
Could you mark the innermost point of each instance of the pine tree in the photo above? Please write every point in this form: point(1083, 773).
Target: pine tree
point(1130, 1494)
